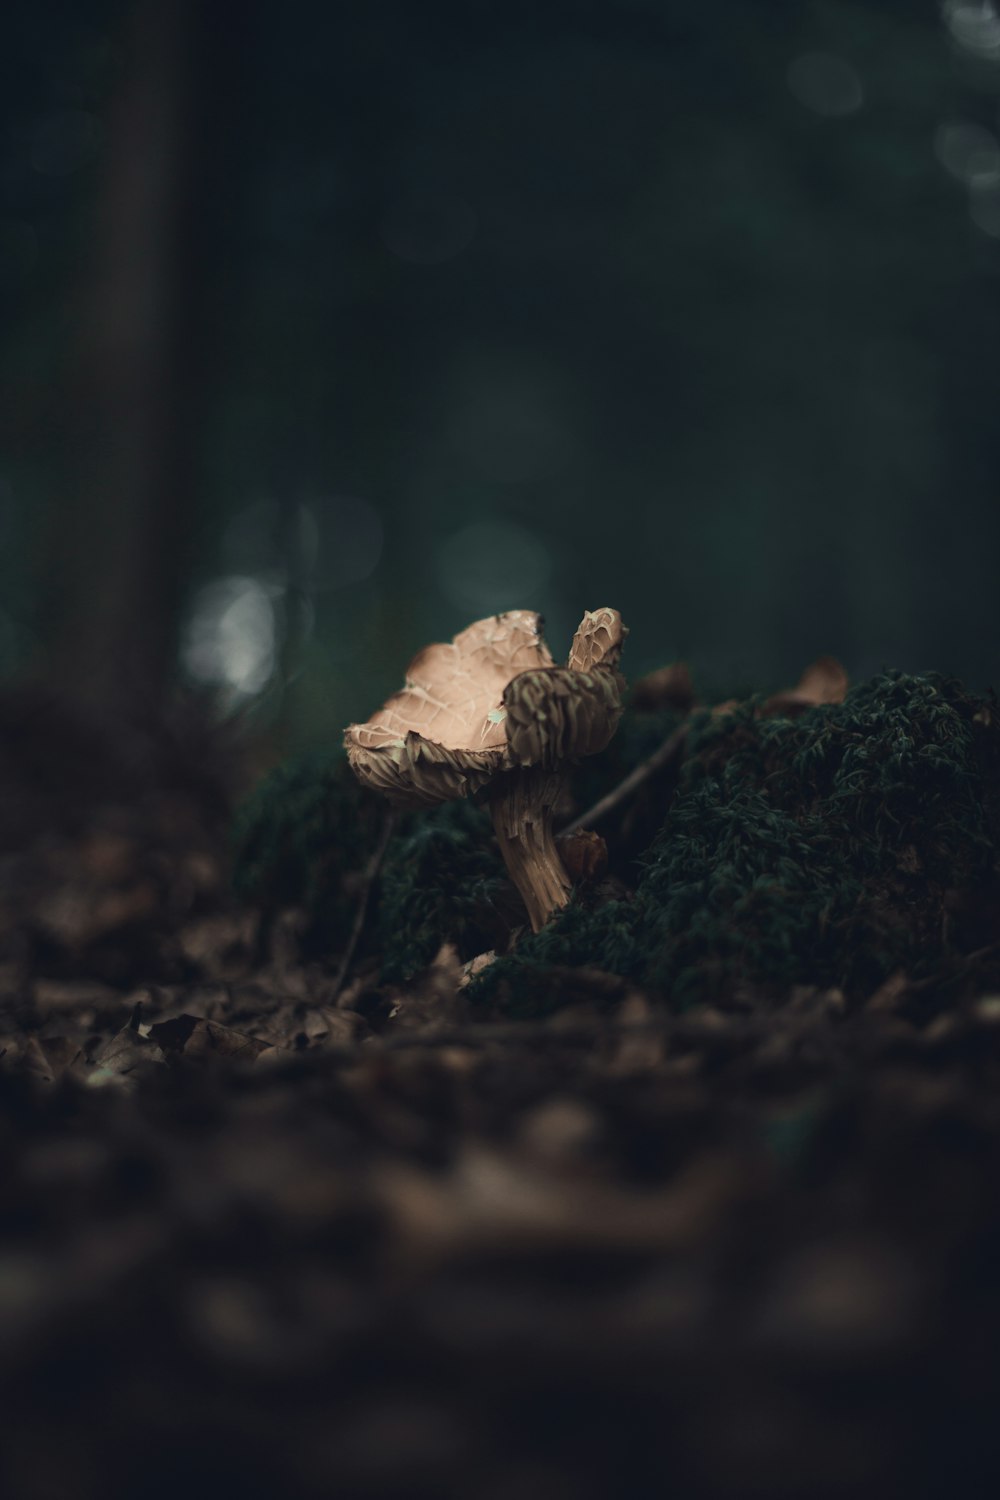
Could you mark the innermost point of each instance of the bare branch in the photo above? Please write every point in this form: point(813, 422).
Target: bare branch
point(360, 916)
point(671, 750)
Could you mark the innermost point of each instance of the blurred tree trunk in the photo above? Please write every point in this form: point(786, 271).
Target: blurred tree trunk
point(130, 501)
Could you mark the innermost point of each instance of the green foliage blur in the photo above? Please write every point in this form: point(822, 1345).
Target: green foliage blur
point(689, 309)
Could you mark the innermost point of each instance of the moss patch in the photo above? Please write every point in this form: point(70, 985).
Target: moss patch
point(833, 849)
point(307, 835)
point(443, 880)
point(302, 840)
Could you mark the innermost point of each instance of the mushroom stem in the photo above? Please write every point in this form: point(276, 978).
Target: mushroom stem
point(522, 806)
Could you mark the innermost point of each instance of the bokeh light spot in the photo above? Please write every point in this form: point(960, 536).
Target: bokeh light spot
point(231, 638)
point(975, 25)
point(984, 206)
point(968, 151)
point(826, 84)
point(490, 566)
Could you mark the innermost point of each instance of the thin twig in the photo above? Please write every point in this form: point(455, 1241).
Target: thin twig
point(369, 878)
point(667, 753)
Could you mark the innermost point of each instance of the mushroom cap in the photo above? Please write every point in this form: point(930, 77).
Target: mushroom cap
point(557, 713)
point(598, 642)
point(490, 700)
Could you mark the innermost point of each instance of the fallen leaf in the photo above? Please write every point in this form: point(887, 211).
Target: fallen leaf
point(66, 995)
point(47, 1059)
point(221, 946)
point(584, 853)
point(491, 1203)
point(436, 1001)
point(75, 915)
point(890, 992)
point(195, 1037)
point(126, 1058)
point(476, 966)
point(668, 687)
point(823, 682)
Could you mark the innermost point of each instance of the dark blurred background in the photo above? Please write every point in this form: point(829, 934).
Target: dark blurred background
point(327, 328)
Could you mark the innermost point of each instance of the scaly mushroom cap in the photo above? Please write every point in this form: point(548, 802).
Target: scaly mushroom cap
point(598, 642)
point(491, 700)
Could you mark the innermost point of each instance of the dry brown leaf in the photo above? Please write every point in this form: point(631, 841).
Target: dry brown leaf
point(890, 992)
point(823, 682)
point(476, 966)
point(560, 1132)
point(193, 1036)
point(436, 1001)
point(76, 915)
point(643, 1049)
point(124, 1060)
point(107, 858)
point(493, 1203)
point(221, 946)
point(67, 995)
point(668, 687)
point(45, 1060)
point(583, 852)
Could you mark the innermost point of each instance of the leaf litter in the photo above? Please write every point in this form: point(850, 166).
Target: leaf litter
point(698, 1187)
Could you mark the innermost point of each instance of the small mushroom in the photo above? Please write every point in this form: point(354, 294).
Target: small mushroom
point(491, 716)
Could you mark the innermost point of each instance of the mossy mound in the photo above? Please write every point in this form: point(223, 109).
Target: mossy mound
point(835, 848)
point(308, 834)
point(443, 881)
point(640, 733)
point(303, 839)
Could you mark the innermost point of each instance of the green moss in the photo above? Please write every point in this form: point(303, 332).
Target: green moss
point(604, 937)
point(308, 833)
point(443, 880)
point(825, 849)
point(302, 839)
point(834, 848)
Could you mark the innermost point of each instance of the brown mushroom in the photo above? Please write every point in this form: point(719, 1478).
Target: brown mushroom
point(491, 716)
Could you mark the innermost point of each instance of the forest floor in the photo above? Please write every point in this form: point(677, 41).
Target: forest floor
point(270, 1235)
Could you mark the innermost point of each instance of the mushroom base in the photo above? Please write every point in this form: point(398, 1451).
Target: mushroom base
point(522, 807)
